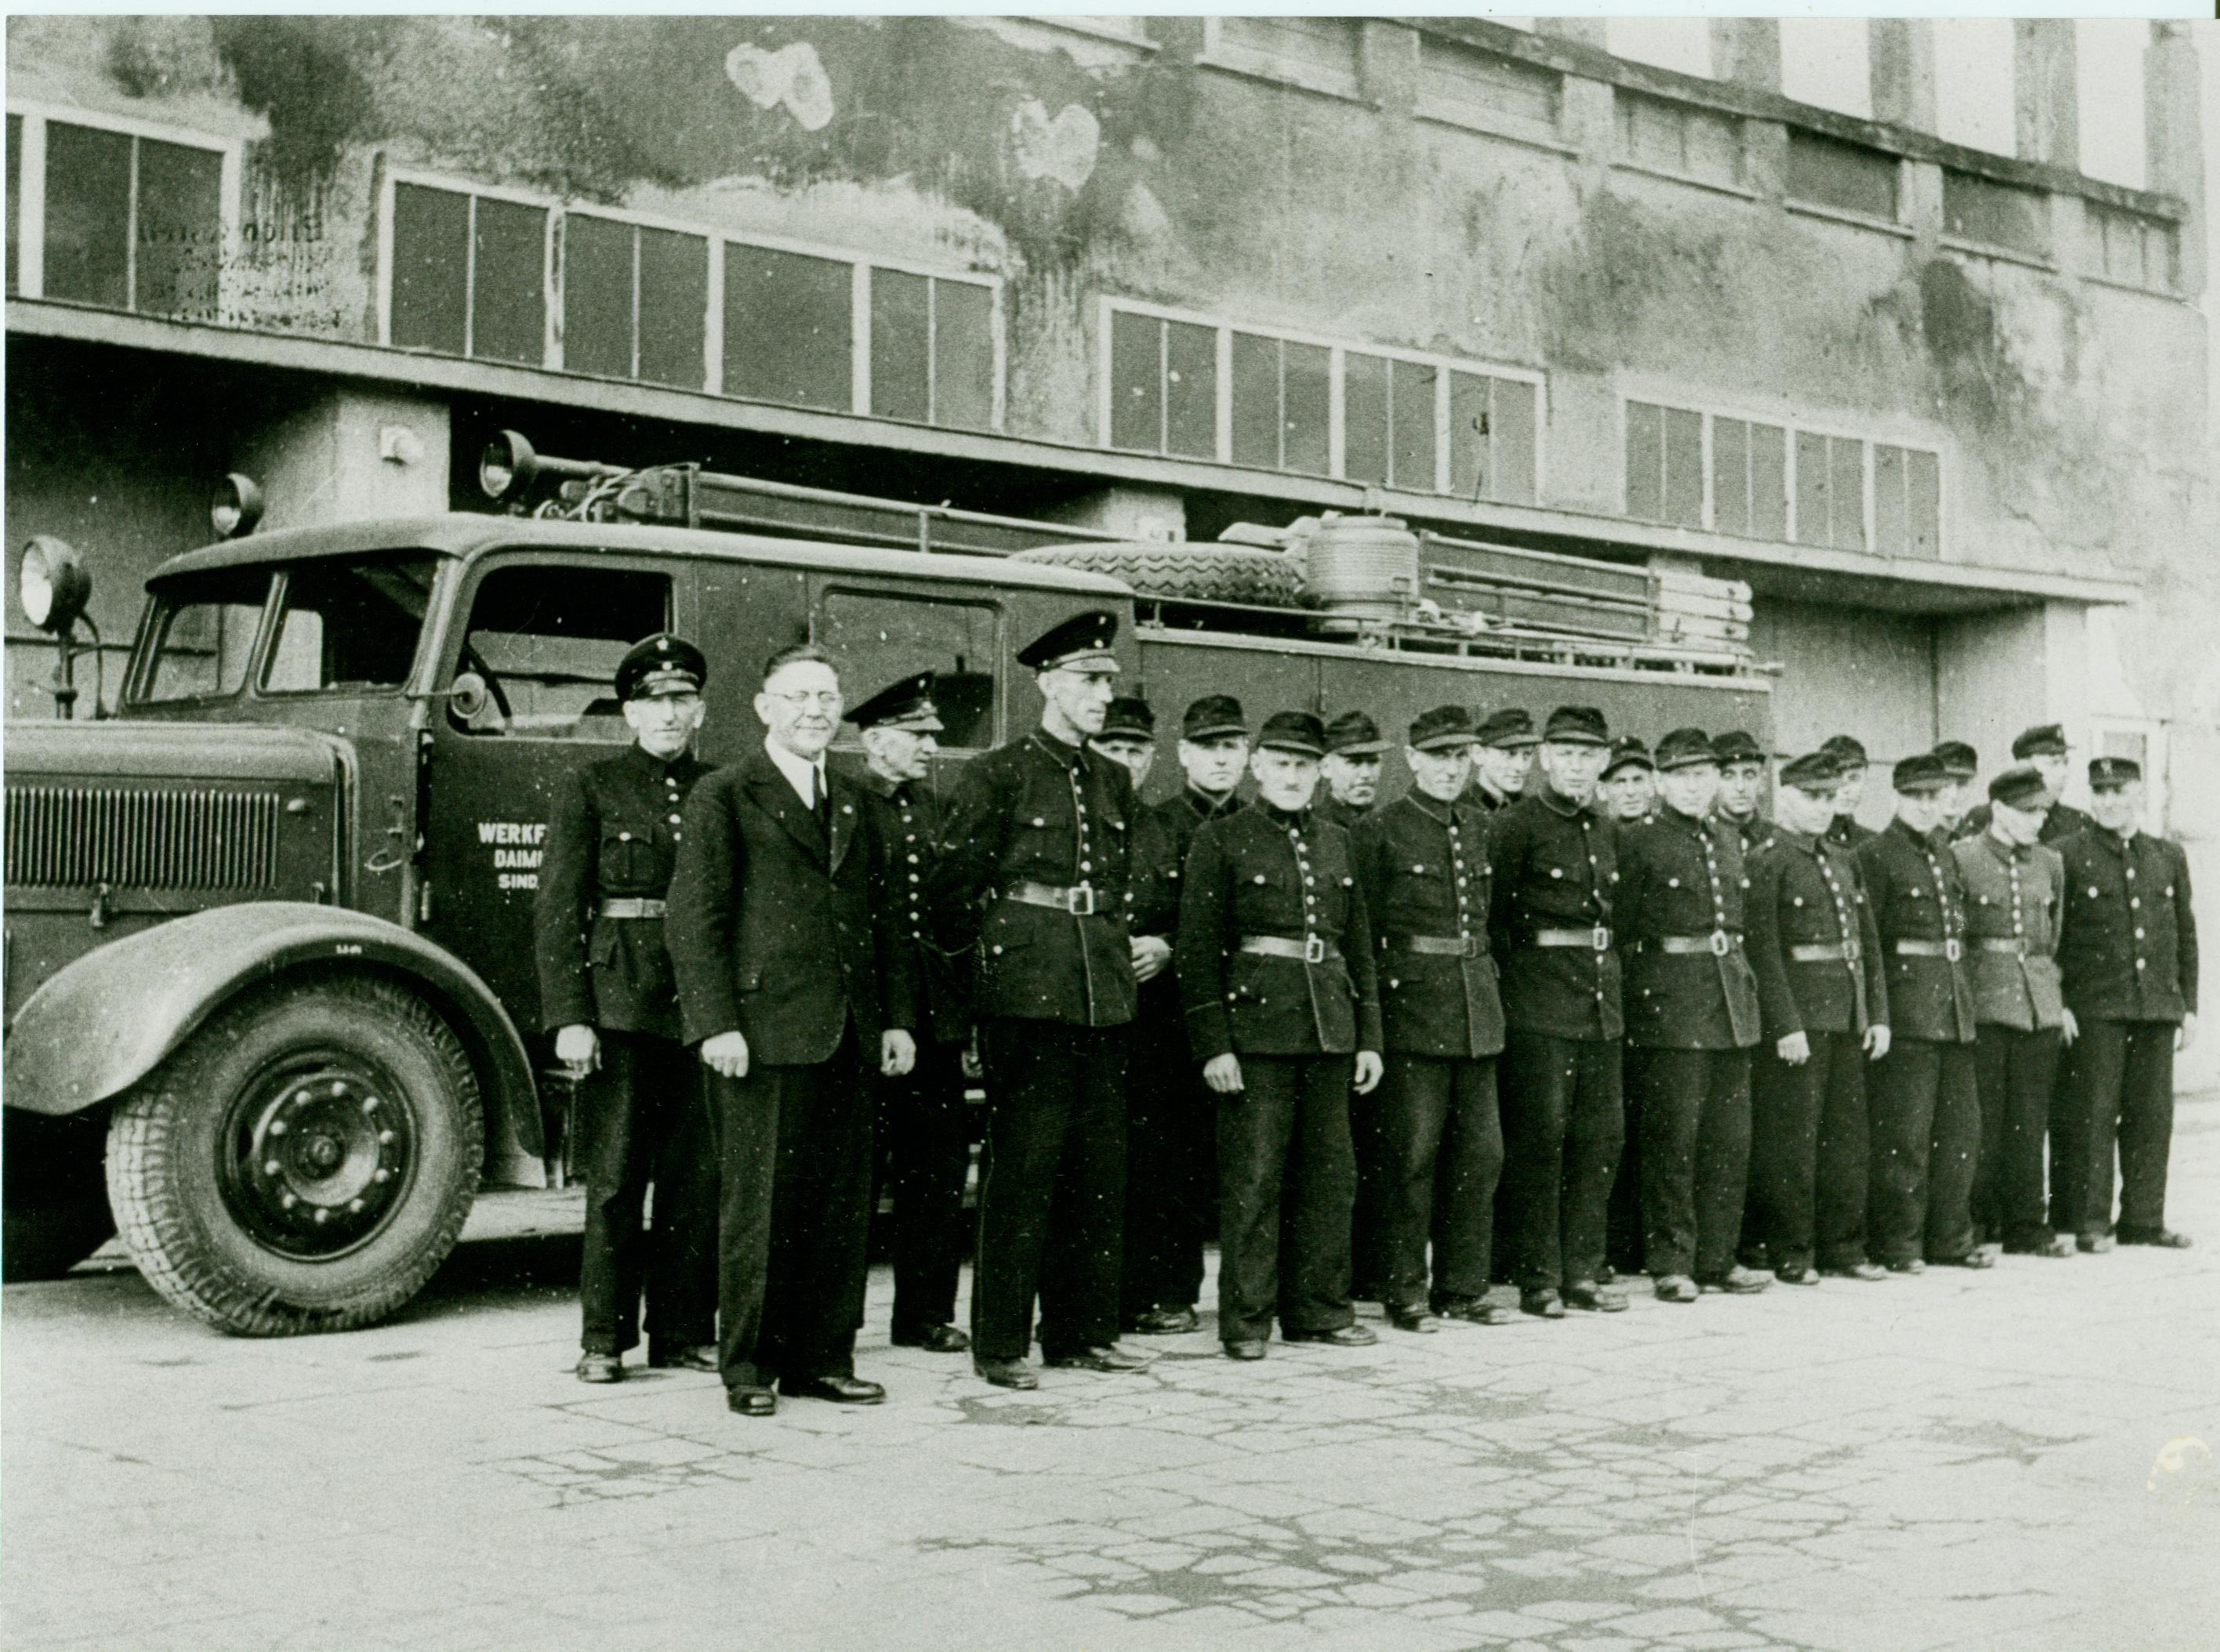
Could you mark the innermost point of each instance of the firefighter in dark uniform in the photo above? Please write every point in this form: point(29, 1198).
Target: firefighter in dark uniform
point(1171, 1122)
point(1630, 786)
point(2015, 892)
point(1438, 1139)
point(1924, 1102)
point(1354, 751)
point(607, 993)
point(1630, 780)
point(1741, 786)
point(1963, 763)
point(2045, 746)
point(1692, 1015)
point(1850, 760)
point(924, 1123)
point(2128, 951)
point(1555, 866)
point(1276, 972)
point(1129, 738)
point(1503, 757)
point(1035, 854)
point(1823, 995)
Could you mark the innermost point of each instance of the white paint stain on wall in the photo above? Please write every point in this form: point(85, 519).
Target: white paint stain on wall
point(793, 76)
point(1063, 148)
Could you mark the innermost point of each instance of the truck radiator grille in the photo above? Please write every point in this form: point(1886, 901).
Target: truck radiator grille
point(74, 837)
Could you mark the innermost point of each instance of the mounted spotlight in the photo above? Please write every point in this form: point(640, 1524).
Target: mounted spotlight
point(508, 465)
point(52, 584)
point(236, 507)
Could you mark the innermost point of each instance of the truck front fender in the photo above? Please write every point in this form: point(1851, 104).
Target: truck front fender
point(98, 1026)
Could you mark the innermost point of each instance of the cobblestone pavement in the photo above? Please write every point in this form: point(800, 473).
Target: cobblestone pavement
point(1976, 1461)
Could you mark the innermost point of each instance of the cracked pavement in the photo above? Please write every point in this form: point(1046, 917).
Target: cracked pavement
point(2020, 1459)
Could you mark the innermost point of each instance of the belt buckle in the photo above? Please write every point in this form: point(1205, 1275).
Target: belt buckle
point(1079, 901)
point(1468, 946)
point(1601, 937)
point(1953, 949)
point(1722, 944)
point(1313, 949)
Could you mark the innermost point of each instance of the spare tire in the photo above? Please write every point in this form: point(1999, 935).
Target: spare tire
point(1200, 573)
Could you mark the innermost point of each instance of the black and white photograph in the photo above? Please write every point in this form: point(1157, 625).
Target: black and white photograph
point(850, 832)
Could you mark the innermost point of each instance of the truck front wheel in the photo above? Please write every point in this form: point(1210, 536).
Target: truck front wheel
point(304, 1162)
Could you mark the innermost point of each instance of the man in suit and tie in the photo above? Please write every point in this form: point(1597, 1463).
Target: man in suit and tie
point(789, 951)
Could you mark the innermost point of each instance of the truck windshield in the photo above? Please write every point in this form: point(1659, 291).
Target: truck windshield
point(352, 624)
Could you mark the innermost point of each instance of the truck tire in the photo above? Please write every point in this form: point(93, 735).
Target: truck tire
point(304, 1162)
point(54, 1210)
point(1201, 573)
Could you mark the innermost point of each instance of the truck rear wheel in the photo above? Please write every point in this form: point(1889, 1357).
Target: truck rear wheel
point(304, 1162)
point(55, 1202)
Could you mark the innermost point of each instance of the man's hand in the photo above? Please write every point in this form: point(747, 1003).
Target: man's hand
point(1151, 954)
point(2068, 1028)
point(726, 1054)
point(2187, 1035)
point(897, 1052)
point(1794, 1048)
point(1876, 1041)
point(1369, 1069)
point(1223, 1074)
point(578, 1047)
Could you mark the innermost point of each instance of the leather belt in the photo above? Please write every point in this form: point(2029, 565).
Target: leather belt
point(1587, 940)
point(1823, 952)
point(630, 905)
point(2015, 945)
point(1718, 944)
point(1437, 946)
point(1953, 949)
point(1078, 899)
point(1314, 949)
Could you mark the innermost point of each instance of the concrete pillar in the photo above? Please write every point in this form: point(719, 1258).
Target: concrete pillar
point(2046, 113)
point(1747, 51)
point(1389, 63)
point(2007, 670)
point(2172, 114)
point(349, 453)
point(1585, 31)
point(1903, 71)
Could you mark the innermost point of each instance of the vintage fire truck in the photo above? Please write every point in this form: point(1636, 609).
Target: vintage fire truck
point(271, 1011)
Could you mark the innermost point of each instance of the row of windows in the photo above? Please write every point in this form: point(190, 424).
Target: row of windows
point(1761, 481)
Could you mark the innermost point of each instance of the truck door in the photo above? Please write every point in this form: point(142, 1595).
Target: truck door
point(542, 632)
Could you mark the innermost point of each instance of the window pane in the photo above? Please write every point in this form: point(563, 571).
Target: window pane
point(1924, 504)
point(674, 302)
point(878, 640)
point(1730, 476)
point(597, 299)
point(1363, 418)
point(1812, 523)
point(1307, 372)
point(430, 265)
point(1848, 487)
point(350, 625)
point(962, 355)
point(1768, 482)
point(550, 638)
point(1461, 76)
point(1645, 461)
point(1684, 467)
point(1326, 44)
point(1649, 132)
point(1255, 401)
point(902, 339)
point(1137, 382)
point(1830, 173)
point(508, 283)
point(1888, 501)
point(1713, 143)
point(87, 215)
point(1517, 442)
point(180, 230)
point(202, 643)
point(1977, 208)
point(1413, 421)
point(789, 324)
point(14, 191)
point(1190, 390)
point(1472, 425)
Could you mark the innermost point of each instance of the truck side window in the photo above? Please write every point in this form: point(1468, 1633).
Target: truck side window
point(546, 640)
point(876, 637)
point(349, 626)
point(205, 635)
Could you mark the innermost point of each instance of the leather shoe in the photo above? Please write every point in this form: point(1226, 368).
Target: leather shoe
point(1114, 1360)
point(751, 1401)
point(1979, 1256)
point(600, 1368)
point(2057, 1245)
point(1914, 1266)
point(1006, 1373)
point(2096, 1244)
point(1413, 1319)
point(1245, 1348)
point(1796, 1274)
point(1544, 1303)
point(1676, 1287)
point(700, 1356)
point(1473, 1310)
point(1739, 1281)
point(935, 1339)
point(1175, 1321)
point(840, 1390)
point(1339, 1337)
point(2164, 1237)
point(1596, 1299)
point(1865, 1270)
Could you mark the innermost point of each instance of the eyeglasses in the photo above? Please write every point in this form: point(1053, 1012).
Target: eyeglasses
point(801, 700)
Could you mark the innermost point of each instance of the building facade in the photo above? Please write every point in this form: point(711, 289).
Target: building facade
point(1900, 322)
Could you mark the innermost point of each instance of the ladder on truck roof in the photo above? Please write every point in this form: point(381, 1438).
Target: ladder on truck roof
point(1478, 600)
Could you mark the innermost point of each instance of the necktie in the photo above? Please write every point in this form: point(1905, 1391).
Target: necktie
point(824, 805)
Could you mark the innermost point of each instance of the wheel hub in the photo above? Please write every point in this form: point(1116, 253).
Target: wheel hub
point(321, 1152)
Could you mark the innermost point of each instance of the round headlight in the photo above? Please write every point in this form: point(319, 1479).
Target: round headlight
point(507, 464)
point(236, 508)
point(52, 584)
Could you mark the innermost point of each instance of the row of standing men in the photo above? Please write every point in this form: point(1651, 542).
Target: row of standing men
point(1543, 1028)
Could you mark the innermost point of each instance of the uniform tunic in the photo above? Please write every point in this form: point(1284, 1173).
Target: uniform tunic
point(1334, 812)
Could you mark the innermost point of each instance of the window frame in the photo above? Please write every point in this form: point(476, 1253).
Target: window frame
point(2096, 216)
point(1237, 58)
point(1338, 351)
point(1740, 187)
point(1899, 225)
point(1491, 123)
point(29, 205)
point(2045, 260)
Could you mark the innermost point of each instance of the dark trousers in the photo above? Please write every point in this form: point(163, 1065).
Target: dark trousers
point(2015, 1072)
point(1623, 1244)
point(1052, 1187)
point(794, 1219)
point(1171, 1170)
point(1562, 1129)
point(1808, 1155)
point(1438, 1143)
point(1925, 1111)
point(644, 1119)
point(1287, 1181)
point(924, 1152)
point(2116, 1091)
point(1695, 1158)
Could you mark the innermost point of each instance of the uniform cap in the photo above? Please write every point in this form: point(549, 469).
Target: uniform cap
point(1509, 727)
point(904, 705)
point(2020, 787)
point(1815, 772)
point(1128, 718)
point(1684, 748)
point(1213, 715)
point(1921, 772)
point(661, 664)
point(1576, 726)
point(1293, 731)
point(1960, 761)
point(1082, 642)
point(1738, 746)
point(1627, 753)
point(2109, 774)
point(2044, 740)
point(1442, 729)
point(1847, 751)
point(1354, 734)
